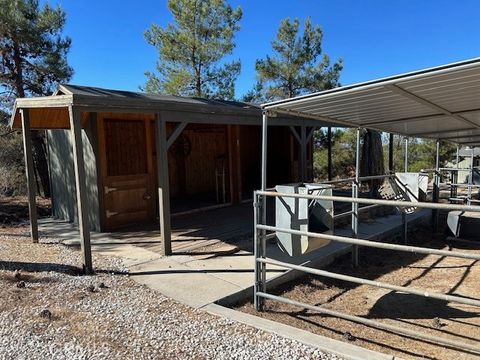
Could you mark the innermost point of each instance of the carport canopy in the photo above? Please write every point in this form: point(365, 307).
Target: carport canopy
point(440, 103)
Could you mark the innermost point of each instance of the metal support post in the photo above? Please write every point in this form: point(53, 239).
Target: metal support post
point(261, 208)
point(329, 153)
point(470, 180)
point(404, 215)
point(355, 190)
point(436, 187)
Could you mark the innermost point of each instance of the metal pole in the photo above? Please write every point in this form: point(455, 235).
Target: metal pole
point(355, 187)
point(373, 244)
point(329, 153)
point(258, 301)
point(376, 324)
point(390, 154)
point(379, 284)
point(404, 215)
point(470, 181)
point(436, 188)
point(262, 207)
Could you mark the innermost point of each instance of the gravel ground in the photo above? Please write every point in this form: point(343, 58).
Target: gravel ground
point(48, 311)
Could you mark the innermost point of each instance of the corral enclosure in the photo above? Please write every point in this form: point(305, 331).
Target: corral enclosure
point(435, 317)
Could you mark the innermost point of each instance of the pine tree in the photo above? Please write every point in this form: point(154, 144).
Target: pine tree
point(192, 50)
point(297, 65)
point(33, 60)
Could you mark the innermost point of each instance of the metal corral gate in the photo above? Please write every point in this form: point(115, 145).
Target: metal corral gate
point(261, 261)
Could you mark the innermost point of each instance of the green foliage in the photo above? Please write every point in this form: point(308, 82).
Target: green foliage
point(343, 154)
point(33, 52)
point(297, 65)
point(33, 60)
point(421, 153)
point(12, 173)
point(192, 48)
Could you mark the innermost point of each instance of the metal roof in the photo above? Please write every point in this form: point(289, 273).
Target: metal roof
point(49, 112)
point(440, 103)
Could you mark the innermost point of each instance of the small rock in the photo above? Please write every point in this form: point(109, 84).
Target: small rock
point(102, 286)
point(91, 288)
point(17, 275)
point(47, 314)
point(348, 336)
point(437, 323)
point(21, 285)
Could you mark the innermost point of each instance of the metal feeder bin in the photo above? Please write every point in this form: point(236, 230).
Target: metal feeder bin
point(304, 215)
point(406, 186)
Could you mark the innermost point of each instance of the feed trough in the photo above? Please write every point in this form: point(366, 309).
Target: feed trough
point(406, 186)
point(303, 215)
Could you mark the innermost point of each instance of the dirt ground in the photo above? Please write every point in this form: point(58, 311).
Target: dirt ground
point(440, 274)
point(14, 210)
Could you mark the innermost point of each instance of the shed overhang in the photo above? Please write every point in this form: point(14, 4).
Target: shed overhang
point(439, 103)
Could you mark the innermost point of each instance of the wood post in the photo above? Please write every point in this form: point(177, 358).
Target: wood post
point(390, 154)
point(29, 171)
point(303, 153)
point(163, 184)
point(80, 184)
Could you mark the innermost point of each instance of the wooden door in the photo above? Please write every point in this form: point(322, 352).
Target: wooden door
point(128, 185)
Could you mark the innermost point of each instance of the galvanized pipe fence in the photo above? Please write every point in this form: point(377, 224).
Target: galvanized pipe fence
point(261, 234)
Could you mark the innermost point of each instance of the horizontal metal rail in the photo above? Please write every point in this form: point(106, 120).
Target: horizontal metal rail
point(347, 213)
point(423, 205)
point(376, 324)
point(361, 281)
point(374, 244)
point(361, 179)
point(462, 185)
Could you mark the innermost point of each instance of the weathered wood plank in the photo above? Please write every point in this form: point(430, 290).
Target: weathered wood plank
point(163, 184)
point(31, 186)
point(80, 184)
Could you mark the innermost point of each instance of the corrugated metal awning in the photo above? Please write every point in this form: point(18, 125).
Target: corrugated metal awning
point(440, 103)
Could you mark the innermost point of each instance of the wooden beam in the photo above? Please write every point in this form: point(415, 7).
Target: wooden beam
point(163, 184)
point(29, 171)
point(295, 133)
point(81, 187)
point(303, 153)
point(176, 133)
point(390, 154)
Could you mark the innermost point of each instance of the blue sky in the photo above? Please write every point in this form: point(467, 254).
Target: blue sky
point(375, 38)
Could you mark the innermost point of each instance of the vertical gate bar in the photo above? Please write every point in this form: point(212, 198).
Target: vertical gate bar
point(258, 301)
point(404, 215)
point(436, 187)
point(470, 181)
point(355, 189)
point(262, 207)
point(329, 153)
point(29, 172)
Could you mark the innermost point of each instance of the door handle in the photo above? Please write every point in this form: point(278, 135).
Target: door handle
point(146, 197)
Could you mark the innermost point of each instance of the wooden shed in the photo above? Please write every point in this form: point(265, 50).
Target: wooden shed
point(122, 158)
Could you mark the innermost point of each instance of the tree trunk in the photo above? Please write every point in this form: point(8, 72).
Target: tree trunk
point(38, 138)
